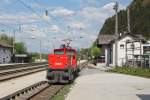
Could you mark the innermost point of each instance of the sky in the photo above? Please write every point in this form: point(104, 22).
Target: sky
point(65, 19)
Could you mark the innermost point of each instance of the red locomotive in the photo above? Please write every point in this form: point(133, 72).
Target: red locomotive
point(62, 65)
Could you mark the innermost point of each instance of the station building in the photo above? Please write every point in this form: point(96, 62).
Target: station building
point(5, 52)
point(131, 49)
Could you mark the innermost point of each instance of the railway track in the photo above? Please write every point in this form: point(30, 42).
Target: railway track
point(13, 71)
point(38, 91)
point(48, 93)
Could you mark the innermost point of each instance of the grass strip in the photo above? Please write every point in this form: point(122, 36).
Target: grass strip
point(62, 93)
point(132, 71)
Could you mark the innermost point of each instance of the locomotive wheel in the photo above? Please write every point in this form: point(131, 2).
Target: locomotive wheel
point(71, 77)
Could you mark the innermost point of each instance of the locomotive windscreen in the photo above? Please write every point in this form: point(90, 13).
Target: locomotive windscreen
point(70, 52)
point(59, 52)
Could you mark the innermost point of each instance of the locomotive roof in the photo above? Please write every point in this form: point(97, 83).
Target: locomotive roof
point(65, 48)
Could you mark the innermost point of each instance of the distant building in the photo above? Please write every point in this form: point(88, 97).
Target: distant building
point(129, 45)
point(5, 52)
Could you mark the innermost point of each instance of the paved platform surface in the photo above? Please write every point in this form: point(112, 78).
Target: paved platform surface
point(94, 84)
point(13, 85)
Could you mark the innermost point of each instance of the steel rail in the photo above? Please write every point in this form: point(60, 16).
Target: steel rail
point(10, 71)
point(39, 91)
point(2, 67)
point(47, 93)
point(20, 71)
point(50, 92)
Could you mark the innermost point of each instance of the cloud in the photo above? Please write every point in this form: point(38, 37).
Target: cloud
point(92, 13)
point(84, 3)
point(21, 17)
point(99, 13)
point(55, 29)
point(46, 18)
point(109, 7)
point(33, 30)
point(62, 12)
point(89, 16)
point(77, 25)
point(84, 33)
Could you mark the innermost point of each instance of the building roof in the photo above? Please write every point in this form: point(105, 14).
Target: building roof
point(5, 44)
point(107, 39)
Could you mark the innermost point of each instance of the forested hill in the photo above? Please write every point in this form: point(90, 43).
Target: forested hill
point(139, 16)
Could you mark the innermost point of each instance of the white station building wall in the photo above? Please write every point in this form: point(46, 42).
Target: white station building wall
point(121, 59)
point(5, 55)
point(121, 51)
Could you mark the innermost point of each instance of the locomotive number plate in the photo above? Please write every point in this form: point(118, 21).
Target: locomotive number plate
point(58, 63)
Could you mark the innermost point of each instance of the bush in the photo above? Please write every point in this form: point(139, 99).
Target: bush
point(132, 71)
point(95, 51)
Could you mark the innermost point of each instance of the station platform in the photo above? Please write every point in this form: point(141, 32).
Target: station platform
point(95, 84)
point(13, 85)
point(11, 64)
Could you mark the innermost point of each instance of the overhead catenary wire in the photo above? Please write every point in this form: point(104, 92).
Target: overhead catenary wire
point(7, 26)
point(35, 12)
point(27, 6)
point(46, 11)
point(61, 22)
point(31, 9)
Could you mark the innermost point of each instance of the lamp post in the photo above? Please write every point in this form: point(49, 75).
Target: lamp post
point(40, 47)
point(40, 50)
point(32, 37)
point(14, 36)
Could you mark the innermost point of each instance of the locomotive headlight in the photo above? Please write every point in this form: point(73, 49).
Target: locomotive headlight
point(49, 70)
point(66, 65)
point(50, 65)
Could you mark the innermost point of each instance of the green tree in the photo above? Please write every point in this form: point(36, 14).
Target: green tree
point(20, 48)
point(6, 38)
point(139, 17)
point(95, 51)
point(84, 52)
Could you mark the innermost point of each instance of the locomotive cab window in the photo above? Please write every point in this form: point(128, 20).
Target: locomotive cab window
point(59, 52)
point(70, 52)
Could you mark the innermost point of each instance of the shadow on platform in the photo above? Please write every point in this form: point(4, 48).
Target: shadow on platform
point(144, 96)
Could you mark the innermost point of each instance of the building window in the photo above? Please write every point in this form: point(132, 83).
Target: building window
point(4, 51)
point(146, 49)
point(132, 46)
point(121, 46)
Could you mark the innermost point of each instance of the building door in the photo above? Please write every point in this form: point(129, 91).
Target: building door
point(4, 60)
point(111, 54)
